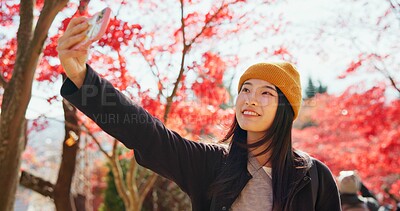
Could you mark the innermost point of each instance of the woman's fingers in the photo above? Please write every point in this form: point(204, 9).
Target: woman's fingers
point(77, 29)
point(73, 53)
point(75, 33)
point(65, 43)
point(76, 21)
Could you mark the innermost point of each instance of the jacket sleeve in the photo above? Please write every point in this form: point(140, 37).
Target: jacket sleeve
point(328, 194)
point(164, 151)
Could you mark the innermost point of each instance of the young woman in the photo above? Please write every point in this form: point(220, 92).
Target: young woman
point(259, 171)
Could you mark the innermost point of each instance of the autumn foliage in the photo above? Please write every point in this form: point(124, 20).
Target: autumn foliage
point(176, 66)
point(357, 131)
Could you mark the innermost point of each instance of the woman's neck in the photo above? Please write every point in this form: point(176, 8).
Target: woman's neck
point(253, 137)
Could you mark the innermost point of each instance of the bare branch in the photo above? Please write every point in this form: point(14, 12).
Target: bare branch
point(147, 187)
point(183, 25)
point(184, 51)
point(388, 76)
point(140, 177)
point(395, 6)
point(393, 83)
point(131, 180)
point(96, 141)
point(153, 66)
point(114, 150)
point(122, 190)
point(384, 70)
point(37, 184)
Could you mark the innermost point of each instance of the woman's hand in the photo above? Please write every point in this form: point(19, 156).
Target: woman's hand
point(74, 60)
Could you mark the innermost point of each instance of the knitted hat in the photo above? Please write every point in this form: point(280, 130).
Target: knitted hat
point(283, 75)
point(349, 182)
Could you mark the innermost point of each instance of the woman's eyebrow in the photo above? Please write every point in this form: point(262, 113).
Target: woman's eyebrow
point(266, 86)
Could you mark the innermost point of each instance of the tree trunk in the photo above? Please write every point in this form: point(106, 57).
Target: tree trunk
point(11, 164)
point(62, 190)
point(17, 94)
point(15, 102)
point(80, 202)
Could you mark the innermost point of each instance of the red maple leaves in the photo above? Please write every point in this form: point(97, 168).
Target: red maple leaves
point(356, 131)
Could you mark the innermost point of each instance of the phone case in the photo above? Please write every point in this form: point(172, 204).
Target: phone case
point(97, 27)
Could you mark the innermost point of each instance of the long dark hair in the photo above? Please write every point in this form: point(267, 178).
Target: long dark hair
point(226, 184)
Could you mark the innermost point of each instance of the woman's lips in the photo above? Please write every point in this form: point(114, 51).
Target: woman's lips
point(250, 113)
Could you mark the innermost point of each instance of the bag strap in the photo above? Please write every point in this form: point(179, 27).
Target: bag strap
point(314, 182)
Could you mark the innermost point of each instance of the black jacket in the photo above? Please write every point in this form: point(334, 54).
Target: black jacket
point(191, 165)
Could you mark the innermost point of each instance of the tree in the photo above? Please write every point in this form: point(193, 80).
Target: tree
point(112, 201)
point(311, 90)
point(169, 197)
point(17, 91)
point(321, 88)
point(371, 49)
point(194, 29)
point(360, 131)
point(61, 189)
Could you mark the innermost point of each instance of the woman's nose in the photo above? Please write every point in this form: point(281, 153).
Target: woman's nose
point(251, 100)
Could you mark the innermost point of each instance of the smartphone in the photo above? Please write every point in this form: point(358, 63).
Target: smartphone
point(97, 27)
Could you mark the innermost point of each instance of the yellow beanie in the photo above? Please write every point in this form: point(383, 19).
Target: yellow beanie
point(283, 75)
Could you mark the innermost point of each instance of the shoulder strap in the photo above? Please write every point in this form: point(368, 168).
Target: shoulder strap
point(314, 182)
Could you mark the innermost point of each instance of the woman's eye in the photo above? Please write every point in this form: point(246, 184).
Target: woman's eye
point(267, 93)
point(245, 90)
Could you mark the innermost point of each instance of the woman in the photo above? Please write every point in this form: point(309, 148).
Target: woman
point(260, 171)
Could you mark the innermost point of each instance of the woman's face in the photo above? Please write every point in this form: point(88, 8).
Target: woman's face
point(256, 105)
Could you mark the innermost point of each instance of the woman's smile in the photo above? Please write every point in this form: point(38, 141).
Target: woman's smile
point(250, 113)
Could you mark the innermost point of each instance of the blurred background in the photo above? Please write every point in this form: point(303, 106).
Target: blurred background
point(181, 60)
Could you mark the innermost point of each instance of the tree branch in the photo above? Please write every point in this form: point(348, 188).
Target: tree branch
point(3, 82)
point(147, 187)
point(393, 83)
point(388, 76)
point(118, 177)
point(384, 70)
point(96, 141)
point(184, 51)
point(131, 180)
point(37, 184)
point(153, 66)
point(140, 177)
point(206, 25)
point(395, 8)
